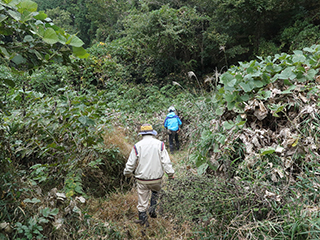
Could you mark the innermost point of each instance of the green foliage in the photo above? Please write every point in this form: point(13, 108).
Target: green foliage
point(40, 172)
point(58, 135)
point(164, 40)
point(93, 20)
point(228, 209)
point(301, 34)
point(34, 37)
point(49, 79)
point(59, 115)
point(73, 184)
point(100, 68)
point(248, 80)
point(284, 187)
point(62, 18)
point(143, 103)
point(268, 48)
point(33, 228)
point(219, 141)
point(165, 37)
point(29, 39)
point(9, 188)
point(58, 140)
point(213, 205)
point(105, 17)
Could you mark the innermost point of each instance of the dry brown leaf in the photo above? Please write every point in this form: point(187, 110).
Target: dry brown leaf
point(279, 172)
point(251, 160)
point(243, 116)
point(303, 98)
point(256, 142)
point(274, 177)
point(290, 141)
point(272, 196)
point(251, 105)
point(288, 162)
point(279, 149)
point(260, 113)
point(274, 92)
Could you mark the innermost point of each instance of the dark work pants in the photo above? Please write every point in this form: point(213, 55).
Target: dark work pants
point(173, 135)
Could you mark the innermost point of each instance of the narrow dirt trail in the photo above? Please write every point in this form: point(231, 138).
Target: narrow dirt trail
point(120, 209)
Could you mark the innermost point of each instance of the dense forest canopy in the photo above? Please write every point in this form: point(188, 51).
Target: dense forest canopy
point(178, 36)
point(78, 78)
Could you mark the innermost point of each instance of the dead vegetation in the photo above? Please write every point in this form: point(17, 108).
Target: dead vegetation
point(285, 125)
point(117, 138)
point(119, 209)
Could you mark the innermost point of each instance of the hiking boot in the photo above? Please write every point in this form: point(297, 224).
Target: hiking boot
point(153, 204)
point(171, 149)
point(143, 219)
point(152, 214)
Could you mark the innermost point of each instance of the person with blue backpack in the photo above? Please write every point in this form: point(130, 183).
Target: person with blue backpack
point(172, 123)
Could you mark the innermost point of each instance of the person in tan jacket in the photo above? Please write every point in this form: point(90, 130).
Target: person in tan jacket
point(148, 161)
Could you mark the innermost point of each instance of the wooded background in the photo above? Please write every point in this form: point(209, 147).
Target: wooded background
point(161, 38)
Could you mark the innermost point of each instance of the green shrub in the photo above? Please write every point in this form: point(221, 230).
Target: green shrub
point(301, 34)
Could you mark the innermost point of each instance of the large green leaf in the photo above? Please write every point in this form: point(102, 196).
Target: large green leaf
point(39, 29)
point(263, 95)
point(288, 91)
point(232, 83)
point(75, 41)
point(226, 78)
point(41, 16)
point(246, 87)
point(18, 59)
point(200, 159)
point(80, 52)
point(245, 97)
point(27, 5)
point(228, 125)
point(220, 111)
point(15, 15)
point(311, 74)
point(229, 97)
point(287, 73)
point(299, 57)
point(28, 38)
point(50, 36)
point(4, 52)
point(202, 168)
point(258, 84)
point(8, 82)
point(3, 17)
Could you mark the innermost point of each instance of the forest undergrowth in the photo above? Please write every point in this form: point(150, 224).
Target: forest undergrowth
point(120, 210)
point(250, 165)
point(249, 168)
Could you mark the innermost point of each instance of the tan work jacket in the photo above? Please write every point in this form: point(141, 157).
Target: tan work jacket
point(148, 161)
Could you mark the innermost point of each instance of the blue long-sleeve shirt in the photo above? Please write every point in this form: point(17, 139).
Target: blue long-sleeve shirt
point(172, 122)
